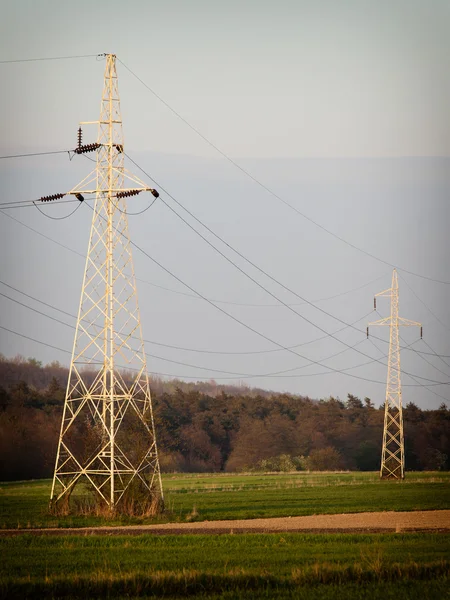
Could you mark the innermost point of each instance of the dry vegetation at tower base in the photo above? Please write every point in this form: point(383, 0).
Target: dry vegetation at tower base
point(204, 427)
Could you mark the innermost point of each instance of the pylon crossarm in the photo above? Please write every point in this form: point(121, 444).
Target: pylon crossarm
point(113, 191)
point(387, 293)
point(407, 323)
point(386, 321)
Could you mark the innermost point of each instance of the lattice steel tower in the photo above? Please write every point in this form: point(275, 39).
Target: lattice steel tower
point(107, 439)
point(393, 450)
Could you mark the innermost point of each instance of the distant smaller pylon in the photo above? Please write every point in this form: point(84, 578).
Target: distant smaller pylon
point(393, 449)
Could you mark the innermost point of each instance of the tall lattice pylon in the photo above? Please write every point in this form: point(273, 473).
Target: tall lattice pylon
point(393, 450)
point(107, 440)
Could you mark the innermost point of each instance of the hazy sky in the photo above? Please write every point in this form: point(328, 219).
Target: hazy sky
point(340, 107)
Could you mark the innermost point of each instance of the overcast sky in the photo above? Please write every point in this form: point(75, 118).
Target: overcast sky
point(340, 108)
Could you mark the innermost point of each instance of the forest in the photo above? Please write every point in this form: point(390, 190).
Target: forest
point(205, 427)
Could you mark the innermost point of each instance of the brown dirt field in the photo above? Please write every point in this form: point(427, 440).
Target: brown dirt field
point(372, 522)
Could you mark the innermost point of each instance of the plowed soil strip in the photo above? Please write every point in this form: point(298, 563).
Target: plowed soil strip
point(437, 521)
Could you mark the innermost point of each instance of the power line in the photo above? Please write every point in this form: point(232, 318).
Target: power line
point(22, 60)
point(430, 363)
point(136, 213)
point(242, 323)
point(271, 192)
point(42, 234)
point(276, 374)
point(258, 268)
point(433, 353)
point(281, 347)
point(58, 218)
point(243, 376)
point(252, 329)
point(126, 368)
point(37, 300)
point(199, 296)
point(35, 153)
point(201, 351)
point(34, 204)
point(36, 310)
point(177, 291)
point(31, 203)
point(413, 376)
point(210, 369)
point(425, 305)
point(27, 337)
point(190, 349)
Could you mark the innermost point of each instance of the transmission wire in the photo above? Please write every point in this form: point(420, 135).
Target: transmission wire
point(271, 192)
point(276, 374)
point(199, 295)
point(22, 60)
point(245, 325)
point(177, 291)
point(58, 218)
point(261, 270)
point(35, 154)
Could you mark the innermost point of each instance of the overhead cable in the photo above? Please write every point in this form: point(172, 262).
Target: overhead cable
point(23, 60)
point(258, 268)
point(34, 153)
point(250, 305)
point(245, 325)
point(271, 192)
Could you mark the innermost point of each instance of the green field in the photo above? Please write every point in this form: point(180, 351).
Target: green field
point(284, 565)
point(249, 565)
point(229, 496)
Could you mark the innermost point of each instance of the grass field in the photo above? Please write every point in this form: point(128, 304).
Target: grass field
point(287, 565)
point(230, 496)
point(239, 566)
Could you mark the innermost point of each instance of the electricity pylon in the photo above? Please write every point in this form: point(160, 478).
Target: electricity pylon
point(107, 440)
point(393, 450)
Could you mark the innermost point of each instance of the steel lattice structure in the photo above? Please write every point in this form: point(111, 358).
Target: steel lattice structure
point(393, 449)
point(107, 439)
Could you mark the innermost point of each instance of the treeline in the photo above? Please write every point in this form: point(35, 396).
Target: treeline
point(220, 428)
point(30, 370)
